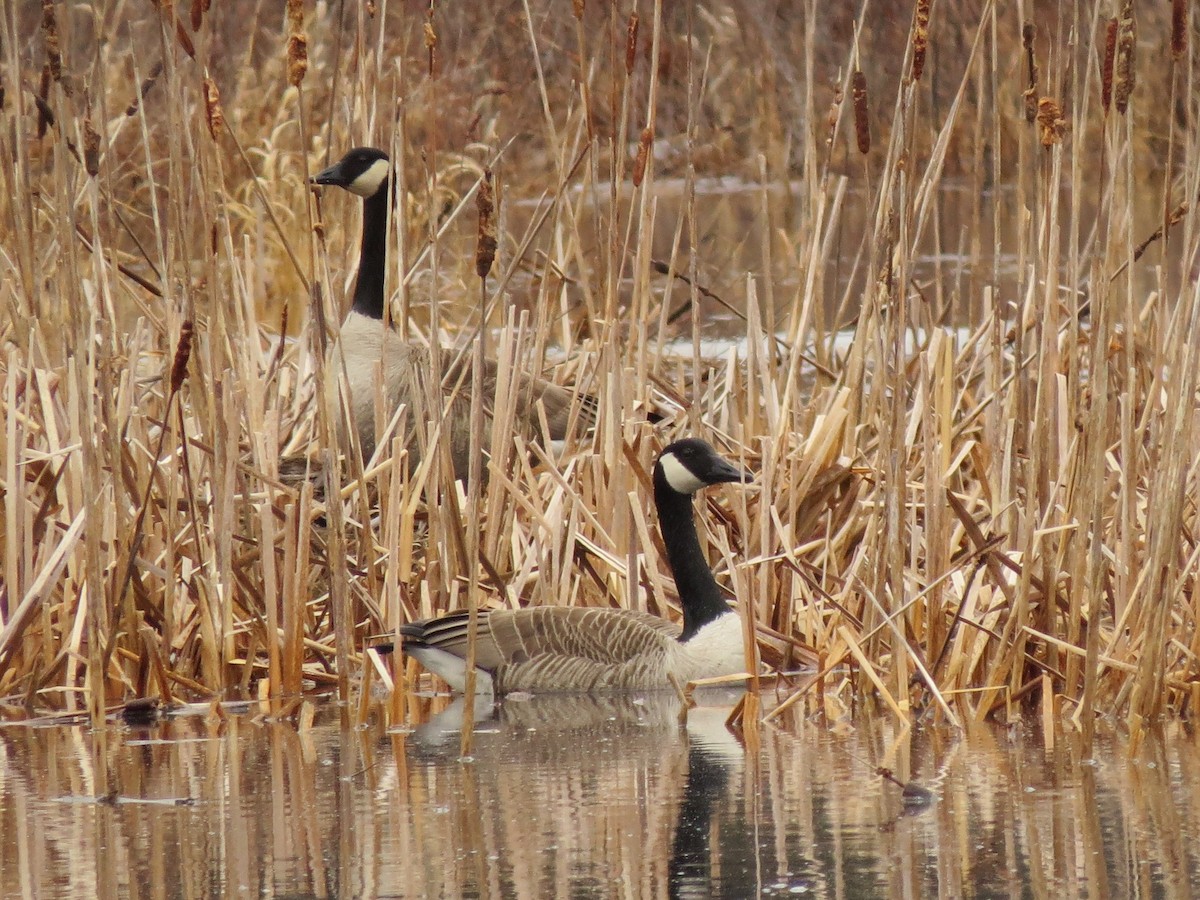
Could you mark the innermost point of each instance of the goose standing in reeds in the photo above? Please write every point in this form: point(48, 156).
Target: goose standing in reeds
point(366, 341)
point(556, 648)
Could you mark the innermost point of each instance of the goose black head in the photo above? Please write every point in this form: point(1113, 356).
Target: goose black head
point(690, 464)
point(363, 171)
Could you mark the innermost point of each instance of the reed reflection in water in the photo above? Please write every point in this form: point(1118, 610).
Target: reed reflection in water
point(588, 797)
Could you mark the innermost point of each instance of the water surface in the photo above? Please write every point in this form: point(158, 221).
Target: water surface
point(579, 797)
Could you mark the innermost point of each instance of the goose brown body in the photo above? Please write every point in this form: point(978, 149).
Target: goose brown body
point(552, 648)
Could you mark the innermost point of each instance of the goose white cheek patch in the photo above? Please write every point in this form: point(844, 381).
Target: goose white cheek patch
point(366, 184)
point(679, 477)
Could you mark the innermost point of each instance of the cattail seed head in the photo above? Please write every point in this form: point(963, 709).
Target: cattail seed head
point(297, 57)
point(91, 145)
point(485, 247)
point(1123, 82)
point(1106, 65)
point(577, 8)
point(183, 350)
point(213, 113)
point(199, 8)
point(835, 107)
point(920, 38)
point(1179, 25)
point(862, 123)
point(431, 40)
point(1051, 122)
point(183, 39)
point(1028, 35)
point(643, 156)
point(50, 35)
point(147, 84)
point(631, 36)
point(45, 114)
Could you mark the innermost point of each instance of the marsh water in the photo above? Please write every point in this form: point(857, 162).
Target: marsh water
point(590, 797)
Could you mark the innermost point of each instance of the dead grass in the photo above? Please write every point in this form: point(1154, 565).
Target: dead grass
point(986, 498)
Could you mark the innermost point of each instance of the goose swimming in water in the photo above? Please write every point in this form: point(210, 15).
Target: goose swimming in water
point(556, 648)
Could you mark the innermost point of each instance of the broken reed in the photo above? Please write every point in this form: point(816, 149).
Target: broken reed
point(1039, 528)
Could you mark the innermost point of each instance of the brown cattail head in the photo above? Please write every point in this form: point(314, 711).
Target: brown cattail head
point(835, 108)
point(643, 156)
point(577, 8)
point(183, 350)
point(1106, 65)
point(631, 31)
point(199, 8)
point(91, 145)
point(1123, 82)
point(297, 57)
point(45, 114)
point(920, 38)
point(182, 38)
point(297, 44)
point(1051, 122)
point(50, 34)
point(485, 247)
point(147, 84)
point(1179, 25)
point(213, 114)
point(1028, 35)
point(862, 122)
point(431, 40)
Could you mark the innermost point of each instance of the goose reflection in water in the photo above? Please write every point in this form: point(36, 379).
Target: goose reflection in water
point(628, 762)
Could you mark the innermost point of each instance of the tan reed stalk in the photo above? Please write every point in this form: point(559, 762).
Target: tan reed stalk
point(485, 254)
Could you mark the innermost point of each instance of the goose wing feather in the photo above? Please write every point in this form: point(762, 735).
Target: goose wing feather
point(557, 648)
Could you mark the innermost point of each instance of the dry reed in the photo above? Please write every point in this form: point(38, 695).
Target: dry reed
point(972, 423)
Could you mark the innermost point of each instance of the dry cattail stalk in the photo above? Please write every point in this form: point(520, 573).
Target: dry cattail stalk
point(643, 156)
point(1124, 71)
point(91, 145)
point(297, 57)
point(1179, 26)
point(50, 33)
point(920, 38)
point(1051, 122)
point(212, 108)
point(485, 247)
point(1106, 65)
point(862, 124)
point(1028, 34)
point(183, 351)
point(631, 36)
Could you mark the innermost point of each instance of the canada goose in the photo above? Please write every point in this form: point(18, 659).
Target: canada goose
point(365, 340)
point(556, 648)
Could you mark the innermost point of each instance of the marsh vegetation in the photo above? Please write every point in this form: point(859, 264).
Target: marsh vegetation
point(953, 254)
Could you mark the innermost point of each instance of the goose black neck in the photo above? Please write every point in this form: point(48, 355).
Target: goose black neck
point(372, 260)
point(699, 594)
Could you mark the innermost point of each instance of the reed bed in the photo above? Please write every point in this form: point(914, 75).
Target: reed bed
point(952, 259)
